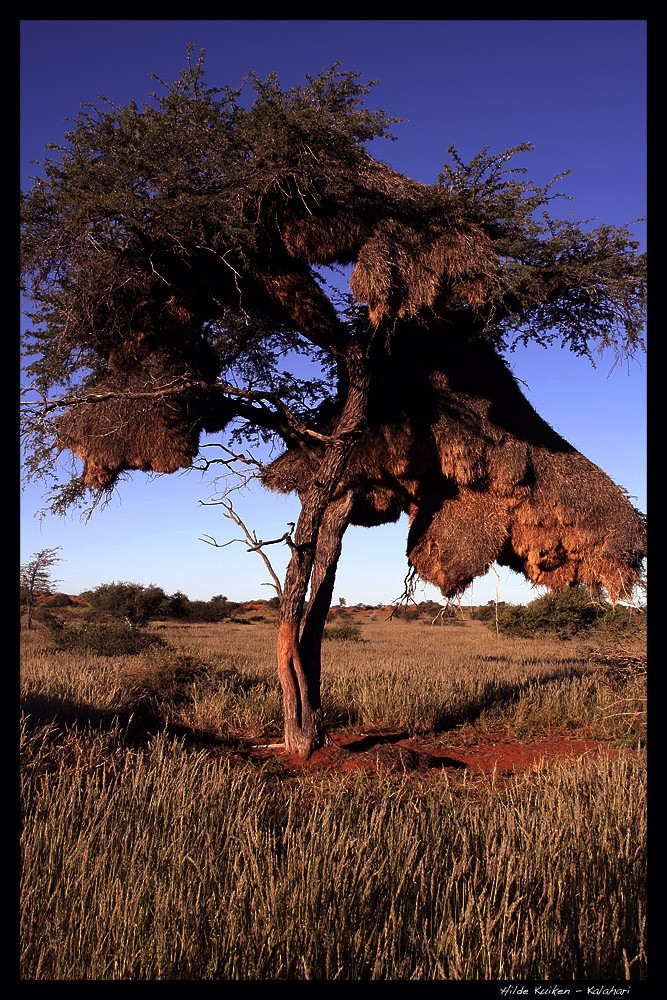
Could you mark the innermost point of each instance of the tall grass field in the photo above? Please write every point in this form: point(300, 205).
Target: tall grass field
point(155, 847)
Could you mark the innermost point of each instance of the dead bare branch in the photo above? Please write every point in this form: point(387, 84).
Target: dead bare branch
point(252, 542)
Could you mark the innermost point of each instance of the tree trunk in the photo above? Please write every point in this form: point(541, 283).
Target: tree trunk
point(327, 554)
point(300, 656)
point(315, 552)
point(303, 723)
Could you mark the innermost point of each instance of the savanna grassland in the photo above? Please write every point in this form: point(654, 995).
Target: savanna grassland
point(157, 844)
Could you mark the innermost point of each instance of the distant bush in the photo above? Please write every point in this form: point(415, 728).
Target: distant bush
point(411, 613)
point(215, 610)
point(59, 601)
point(620, 640)
point(132, 602)
point(487, 613)
point(563, 615)
point(623, 623)
point(105, 639)
point(346, 631)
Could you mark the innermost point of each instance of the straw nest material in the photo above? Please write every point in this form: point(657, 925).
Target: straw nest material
point(452, 442)
point(408, 242)
point(150, 419)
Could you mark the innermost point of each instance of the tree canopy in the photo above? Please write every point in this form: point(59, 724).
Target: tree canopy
point(192, 227)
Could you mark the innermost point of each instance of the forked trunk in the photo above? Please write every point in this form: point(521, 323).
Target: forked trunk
point(303, 722)
point(300, 650)
point(315, 552)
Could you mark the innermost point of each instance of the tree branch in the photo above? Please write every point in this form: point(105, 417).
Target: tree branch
point(252, 542)
point(281, 420)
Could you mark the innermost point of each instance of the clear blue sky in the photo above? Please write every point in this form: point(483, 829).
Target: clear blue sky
point(575, 89)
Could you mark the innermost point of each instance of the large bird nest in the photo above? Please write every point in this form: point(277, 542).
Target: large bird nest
point(450, 440)
point(453, 442)
point(148, 419)
point(409, 242)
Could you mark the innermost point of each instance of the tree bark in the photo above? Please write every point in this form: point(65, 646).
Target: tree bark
point(315, 552)
point(327, 554)
point(300, 656)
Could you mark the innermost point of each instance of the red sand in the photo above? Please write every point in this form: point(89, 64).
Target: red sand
point(491, 752)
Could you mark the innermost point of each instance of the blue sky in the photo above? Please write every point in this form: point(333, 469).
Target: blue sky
point(576, 89)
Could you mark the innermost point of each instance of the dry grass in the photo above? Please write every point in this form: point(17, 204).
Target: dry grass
point(229, 871)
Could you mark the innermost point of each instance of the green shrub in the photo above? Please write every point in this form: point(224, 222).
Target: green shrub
point(411, 614)
point(59, 601)
point(105, 639)
point(487, 613)
point(620, 640)
point(208, 611)
point(563, 615)
point(132, 602)
point(346, 631)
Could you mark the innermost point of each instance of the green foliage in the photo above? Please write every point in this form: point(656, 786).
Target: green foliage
point(209, 611)
point(557, 278)
point(35, 578)
point(563, 615)
point(180, 183)
point(136, 604)
point(623, 622)
point(173, 606)
point(177, 201)
point(130, 602)
point(429, 609)
point(177, 204)
point(407, 613)
point(35, 575)
point(104, 639)
point(346, 631)
point(487, 613)
point(60, 601)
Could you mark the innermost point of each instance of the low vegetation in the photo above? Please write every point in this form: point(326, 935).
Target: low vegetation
point(227, 868)
point(564, 615)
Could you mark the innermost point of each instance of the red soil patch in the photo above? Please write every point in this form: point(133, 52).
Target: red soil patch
point(45, 598)
point(394, 752)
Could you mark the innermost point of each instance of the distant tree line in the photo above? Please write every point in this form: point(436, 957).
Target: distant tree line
point(138, 604)
point(562, 615)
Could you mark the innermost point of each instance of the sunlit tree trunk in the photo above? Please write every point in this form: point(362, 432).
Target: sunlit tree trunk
point(315, 552)
point(300, 655)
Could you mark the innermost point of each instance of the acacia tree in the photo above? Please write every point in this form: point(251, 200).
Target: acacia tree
point(35, 578)
point(173, 255)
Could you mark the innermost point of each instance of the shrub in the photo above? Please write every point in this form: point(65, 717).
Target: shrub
point(105, 639)
point(59, 601)
point(564, 615)
point(487, 613)
point(621, 637)
point(208, 611)
point(346, 631)
point(130, 601)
